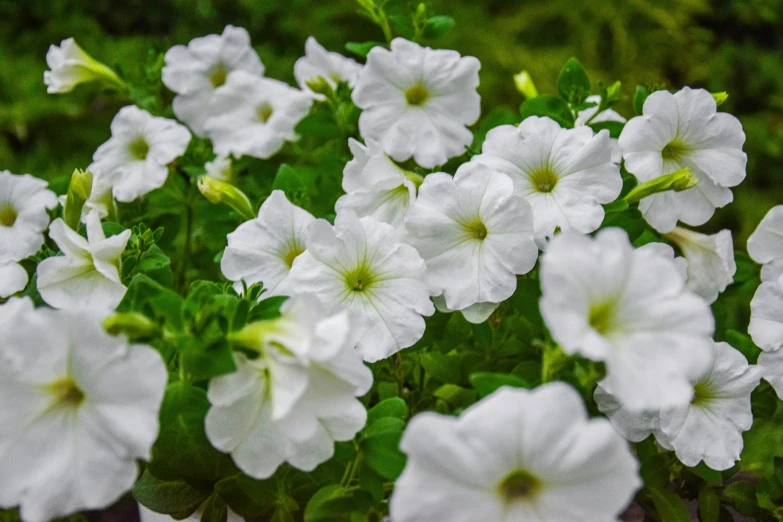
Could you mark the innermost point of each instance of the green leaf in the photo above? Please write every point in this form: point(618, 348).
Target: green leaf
point(482, 333)
point(318, 125)
point(573, 83)
point(743, 343)
point(549, 106)
point(361, 49)
point(282, 514)
point(393, 407)
point(204, 361)
point(630, 220)
point(742, 496)
point(171, 497)
point(709, 505)
point(371, 482)
point(150, 298)
point(247, 497)
point(639, 97)
point(152, 259)
point(455, 395)
point(215, 510)
point(614, 127)
point(670, 507)
point(383, 425)
point(382, 453)
point(764, 401)
point(442, 367)
point(328, 502)
point(487, 383)
point(289, 180)
point(438, 26)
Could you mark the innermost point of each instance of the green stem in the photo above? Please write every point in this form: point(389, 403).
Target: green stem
point(187, 226)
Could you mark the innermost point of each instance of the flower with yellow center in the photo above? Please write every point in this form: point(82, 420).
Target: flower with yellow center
point(332, 68)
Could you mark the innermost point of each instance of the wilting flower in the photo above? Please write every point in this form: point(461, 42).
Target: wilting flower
point(263, 250)
point(516, 455)
point(375, 186)
point(361, 265)
point(711, 265)
point(418, 101)
point(475, 235)
point(684, 130)
point(24, 201)
point(70, 66)
point(255, 116)
point(296, 398)
point(87, 275)
point(78, 408)
point(195, 72)
point(630, 309)
point(135, 160)
point(317, 62)
point(606, 115)
point(565, 174)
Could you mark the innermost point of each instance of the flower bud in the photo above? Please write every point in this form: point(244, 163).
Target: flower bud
point(70, 66)
point(720, 97)
point(218, 191)
point(79, 190)
point(131, 324)
point(525, 85)
point(678, 181)
point(319, 85)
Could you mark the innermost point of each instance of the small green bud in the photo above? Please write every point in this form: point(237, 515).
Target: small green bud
point(71, 65)
point(319, 86)
point(720, 97)
point(525, 85)
point(132, 324)
point(79, 190)
point(613, 93)
point(677, 181)
point(254, 335)
point(218, 191)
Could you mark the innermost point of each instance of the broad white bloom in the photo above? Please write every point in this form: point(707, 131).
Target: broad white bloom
point(87, 274)
point(254, 115)
point(263, 250)
point(361, 265)
point(765, 244)
point(78, 408)
point(684, 130)
point(220, 168)
point(711, 265)
point(565, 174)
point(24, 201)
point(317, 62)
point(474, 233)
point(771, 364)
point(629, 308)
point(518, 455)
point(418, 101)
point(195, 72)
point(135, 160)
point(766, 316)
point(13, 278)
point(70, 66)
point(603, 116)
point(375, 186)
point(710, 427)
point(11, 310)
point(296, 398)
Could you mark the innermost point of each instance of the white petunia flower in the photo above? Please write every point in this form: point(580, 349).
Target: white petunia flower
point(220, 168)
point(70, 66)
point(766, 316)
point(518, 455)
point(765, 244)
point(565, 174)
point(197, 70)
point(11, 310)
point(375, 186)
point(630, 309)
point(147, 515)
point(711, 265)
point(476, 313)
point(418, 101)
point(135, 160)
point(296, 398)
point(24, 201)
point(474, 233)
point(771, 364)
point(684, 130)
point(87, 275)
point(255, 116)
point(78, 408)
point(317, 62)
point(13, 278)
point(361, 265)
point(263, 250)
point(605, 116)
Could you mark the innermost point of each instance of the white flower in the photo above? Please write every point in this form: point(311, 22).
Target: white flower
point(475, 313)
point(220, 168)
point(375, 186)
point(13, 278)
point(101, 199)
point(518, 455)
point(711, 265)
point(87, 275)
point(135, 160)
point(255, 116)
point(77, 409)
point(630, 309)
point(417, 101)
point(24, 201)
point(70, 66)
point(604, 116)
point(195, 72)
point(361, 265)
point(317, 62)
point(263, 250)
point(147, 515)
point(565, 174)
point(11, 310)
point(296, 398)
point(474, 233)
point(684, 130)
point(765, 244)
point(766, 316)
point(771, 364)
point(710, 427)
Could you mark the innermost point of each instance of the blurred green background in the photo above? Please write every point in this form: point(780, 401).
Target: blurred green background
point(722, 45)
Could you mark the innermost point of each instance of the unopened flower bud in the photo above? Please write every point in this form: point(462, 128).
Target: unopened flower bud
point(678, 181)
point(79, 190)
point(131, 324)
point(525, 85)
point(319, 85)
point(218, 191)
point(70, 66)
point(720, 97)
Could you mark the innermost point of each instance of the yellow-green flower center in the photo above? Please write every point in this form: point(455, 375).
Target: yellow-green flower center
point(543, 179)
point(139, 148)
point(601, 318)
point(416, 95)
point(359, 280)
point(476, 229)
point(65, 392)
point(702, 393)
point(7, 216)
point(264, 112)
point(292, 254)
point(519, 485)
point(674, 150)
point(218, 76)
